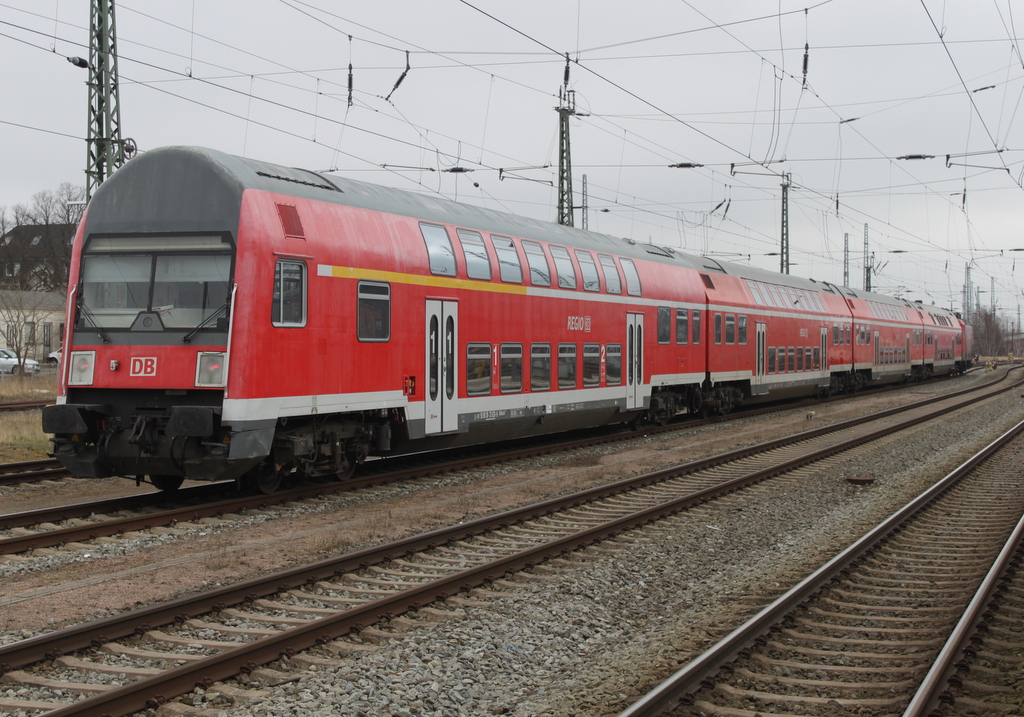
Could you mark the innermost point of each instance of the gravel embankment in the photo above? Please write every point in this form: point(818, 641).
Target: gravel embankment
point(600, 630)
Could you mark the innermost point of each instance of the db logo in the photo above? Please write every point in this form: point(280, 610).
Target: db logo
point(143, 366)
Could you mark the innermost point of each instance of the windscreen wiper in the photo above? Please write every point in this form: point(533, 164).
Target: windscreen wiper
point(83, 311)
point(206, 322)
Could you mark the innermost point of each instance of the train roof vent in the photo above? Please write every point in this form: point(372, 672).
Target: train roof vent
point(707, 281)
point(322, 184)
point(656, 250)
point(290, 221)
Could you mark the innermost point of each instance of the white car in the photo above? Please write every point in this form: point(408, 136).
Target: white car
point(9, 363)
point(53, 357)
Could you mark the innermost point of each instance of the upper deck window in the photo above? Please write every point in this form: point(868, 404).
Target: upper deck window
point(591, 282)
point(612, 283)
point(540, 271)
point(478, 261)
point(563, 266)
point(509, 268)
point(178, 282)
point(632, 277)
point(439, 249)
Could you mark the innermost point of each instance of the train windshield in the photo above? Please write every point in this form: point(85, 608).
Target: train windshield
point(186, 281)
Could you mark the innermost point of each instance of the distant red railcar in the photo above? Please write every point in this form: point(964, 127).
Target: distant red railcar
point(229, 318)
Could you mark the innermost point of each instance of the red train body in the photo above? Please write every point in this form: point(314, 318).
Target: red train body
point(229, 318)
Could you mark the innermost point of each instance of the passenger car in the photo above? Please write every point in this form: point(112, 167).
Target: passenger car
point(9, 363)
point(411, 323)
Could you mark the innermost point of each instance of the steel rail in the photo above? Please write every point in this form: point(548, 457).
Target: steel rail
point(91, 531)
point(686, 681)
point(153, 691)
point(133, 697)
point(31, 471)
point(159, 615)
point(24, 405)
point(933, 690)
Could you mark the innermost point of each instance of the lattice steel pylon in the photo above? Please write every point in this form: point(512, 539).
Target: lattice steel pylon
point(106, 151)
point(566, 108)
point(784, 241)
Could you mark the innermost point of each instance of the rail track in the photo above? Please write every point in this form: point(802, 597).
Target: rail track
point(90, 520)
point(51, 469)
point(858, 635)
point(24, 405)
point(32, 471)
point(217, 634)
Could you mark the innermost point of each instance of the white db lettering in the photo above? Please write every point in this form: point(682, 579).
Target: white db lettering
point(143, 366)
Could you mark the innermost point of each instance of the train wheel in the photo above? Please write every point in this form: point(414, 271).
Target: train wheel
point(264, 478)
point(168, 484)
point(349, 470)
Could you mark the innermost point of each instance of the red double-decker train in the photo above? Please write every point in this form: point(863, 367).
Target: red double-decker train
point(229, 318)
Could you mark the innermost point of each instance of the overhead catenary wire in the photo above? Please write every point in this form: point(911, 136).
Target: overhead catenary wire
point(633, 137)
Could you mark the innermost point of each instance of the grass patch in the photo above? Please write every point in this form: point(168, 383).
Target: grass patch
point(22, 437)
point(40, 386)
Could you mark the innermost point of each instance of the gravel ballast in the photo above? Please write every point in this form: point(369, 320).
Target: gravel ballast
point(594, 632)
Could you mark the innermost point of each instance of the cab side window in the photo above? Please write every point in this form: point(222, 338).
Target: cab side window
point(289, 303)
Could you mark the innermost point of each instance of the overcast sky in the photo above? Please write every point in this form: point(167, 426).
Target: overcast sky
point(656, 83)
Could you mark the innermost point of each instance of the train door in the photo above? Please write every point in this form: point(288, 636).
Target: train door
point(634, 361)
point(442, 394)
point(907, 357)
point(824, 348)
point(760, 355)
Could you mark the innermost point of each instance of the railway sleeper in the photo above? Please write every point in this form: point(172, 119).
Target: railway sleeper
point(902, 685)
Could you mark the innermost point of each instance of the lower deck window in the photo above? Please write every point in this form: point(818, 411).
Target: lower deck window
point(511, 368)
point(791, 363)
point(664, 325)
point(682, 326)
point(567, 365)
point(613, 366)
point(591, 364)
point(478, 369)
point(771, 359)
point(540, 367)
point(799, 358)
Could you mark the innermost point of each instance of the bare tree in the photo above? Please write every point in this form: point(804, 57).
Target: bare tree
point(20, 312)
point(36, 249)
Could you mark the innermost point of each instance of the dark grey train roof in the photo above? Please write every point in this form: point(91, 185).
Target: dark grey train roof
point(146, 195)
